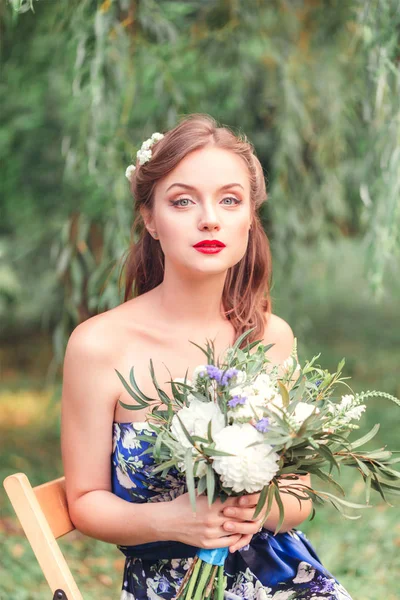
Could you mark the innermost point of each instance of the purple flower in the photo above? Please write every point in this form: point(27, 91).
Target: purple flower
point(214, 373)
point(237, 400)
point(318, 382)
point(262, 425)
point(228, 375)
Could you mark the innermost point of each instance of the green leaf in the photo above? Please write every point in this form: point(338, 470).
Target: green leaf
point(210, 484)
point(131, 393)
point(185, 431)
point(284, 393)
point(202, 485)
point(368, 487)
point(261, 501)
point(137, 390)
point(165, 465)
point(161, 394)
point(366, 438)
point(130, 406)
point(214, 452)
point(281, 508)
point(329, 479)
point(190, 478)
point(341, 501)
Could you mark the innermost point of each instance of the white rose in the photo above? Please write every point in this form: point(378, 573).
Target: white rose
point(196, 418)
point(250, 469)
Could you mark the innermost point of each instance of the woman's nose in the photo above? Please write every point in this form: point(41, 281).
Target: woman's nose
point(209, 221)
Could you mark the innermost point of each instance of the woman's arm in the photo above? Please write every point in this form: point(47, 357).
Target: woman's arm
point(89, 395)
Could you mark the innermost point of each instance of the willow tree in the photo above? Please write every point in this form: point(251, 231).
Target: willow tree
point(315, 84)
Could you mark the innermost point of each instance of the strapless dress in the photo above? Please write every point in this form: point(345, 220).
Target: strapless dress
point(281, 567)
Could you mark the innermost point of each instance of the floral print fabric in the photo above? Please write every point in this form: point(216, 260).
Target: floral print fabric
point(281, 567)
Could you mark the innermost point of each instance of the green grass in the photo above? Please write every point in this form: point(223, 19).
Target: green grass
point(332, 314)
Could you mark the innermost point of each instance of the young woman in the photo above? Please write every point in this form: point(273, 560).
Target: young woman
point(197, 183)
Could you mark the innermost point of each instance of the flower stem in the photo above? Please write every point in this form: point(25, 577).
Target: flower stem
point(185, 579)
point(203, 581)
point(193, 579)
point(221, 582)
point(210, 584)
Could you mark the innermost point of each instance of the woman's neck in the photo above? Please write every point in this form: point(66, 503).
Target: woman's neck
point(195, 303)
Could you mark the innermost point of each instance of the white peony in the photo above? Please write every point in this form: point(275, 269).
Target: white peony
point(196, 418)
point(250, 469)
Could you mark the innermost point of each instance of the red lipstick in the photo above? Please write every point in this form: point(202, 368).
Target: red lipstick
point(209, 246)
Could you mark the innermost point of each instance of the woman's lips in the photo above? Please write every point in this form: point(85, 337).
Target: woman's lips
point(209, 249)
point(209, 246)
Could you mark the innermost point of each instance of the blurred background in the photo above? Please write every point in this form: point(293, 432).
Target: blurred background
point(315, 85)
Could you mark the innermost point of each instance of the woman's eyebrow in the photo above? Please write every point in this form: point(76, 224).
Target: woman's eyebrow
point(190, 187)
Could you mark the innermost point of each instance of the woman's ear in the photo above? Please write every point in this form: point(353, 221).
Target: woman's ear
point(148, 220)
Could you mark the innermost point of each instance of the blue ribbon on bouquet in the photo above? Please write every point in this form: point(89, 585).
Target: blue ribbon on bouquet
point(213, 557)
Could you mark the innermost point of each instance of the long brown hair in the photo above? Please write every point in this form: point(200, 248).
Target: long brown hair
point(246, 294)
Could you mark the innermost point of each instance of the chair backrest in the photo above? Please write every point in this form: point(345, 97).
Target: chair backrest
point(43, 514)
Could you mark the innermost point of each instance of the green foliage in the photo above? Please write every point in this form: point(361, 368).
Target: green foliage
point(314, 85)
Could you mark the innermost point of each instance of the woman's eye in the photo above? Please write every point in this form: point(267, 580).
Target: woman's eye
point(176, 202)
point(232, 198)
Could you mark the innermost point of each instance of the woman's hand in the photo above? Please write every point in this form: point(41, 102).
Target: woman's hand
point(209, 526)
point(240, 519)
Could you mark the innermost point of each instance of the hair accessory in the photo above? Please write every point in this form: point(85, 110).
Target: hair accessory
point(144, 154)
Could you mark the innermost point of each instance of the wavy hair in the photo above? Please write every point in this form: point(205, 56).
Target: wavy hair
point(246, 296)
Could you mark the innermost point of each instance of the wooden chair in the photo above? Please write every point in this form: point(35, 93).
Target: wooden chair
point(43, 514)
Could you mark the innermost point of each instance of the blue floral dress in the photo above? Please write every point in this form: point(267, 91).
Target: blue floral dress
point(281, 567)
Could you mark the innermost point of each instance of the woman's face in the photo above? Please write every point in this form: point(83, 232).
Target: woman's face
point(206, 197)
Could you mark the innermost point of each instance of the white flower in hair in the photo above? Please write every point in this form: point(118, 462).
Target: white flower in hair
point(129, 172)
point(144, 154)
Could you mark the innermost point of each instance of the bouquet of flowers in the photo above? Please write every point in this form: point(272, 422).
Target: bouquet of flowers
point(244, 426)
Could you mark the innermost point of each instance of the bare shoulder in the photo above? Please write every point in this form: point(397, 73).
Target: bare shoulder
point(100, 335)
point(92, 335)
point(279, 333)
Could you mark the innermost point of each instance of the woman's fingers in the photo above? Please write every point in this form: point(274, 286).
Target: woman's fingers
point(243, 527)
point(249, 500)
point(240, 514)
